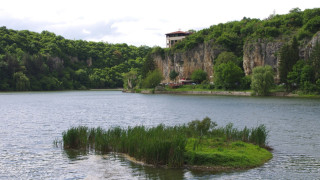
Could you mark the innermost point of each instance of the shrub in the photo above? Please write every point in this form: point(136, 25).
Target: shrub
point(198, 76)
point(262, 80)
point(200, 128)
point(153, 79)
point(228, 75)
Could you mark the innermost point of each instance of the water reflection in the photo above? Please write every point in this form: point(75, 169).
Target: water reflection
point(74, 155)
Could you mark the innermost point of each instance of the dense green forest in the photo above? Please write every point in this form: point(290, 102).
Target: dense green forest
point(45, 61)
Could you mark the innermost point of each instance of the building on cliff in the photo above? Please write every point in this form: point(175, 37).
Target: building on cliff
point(174, 37)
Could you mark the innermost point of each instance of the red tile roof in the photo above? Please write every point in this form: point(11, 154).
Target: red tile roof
point(178, 32)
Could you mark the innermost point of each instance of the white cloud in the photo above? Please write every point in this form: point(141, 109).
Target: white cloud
point(139, 22)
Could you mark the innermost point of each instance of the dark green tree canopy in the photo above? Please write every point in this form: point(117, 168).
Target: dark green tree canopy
point(228, 75)
point(173, 75)
point(199, 76)
point(262, 80)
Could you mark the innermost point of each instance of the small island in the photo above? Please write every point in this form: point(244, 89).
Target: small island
point(198, 145)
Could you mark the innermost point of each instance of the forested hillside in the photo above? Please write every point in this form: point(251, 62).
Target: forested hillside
point(288, 43)
point(45, 61)
point(232, 35)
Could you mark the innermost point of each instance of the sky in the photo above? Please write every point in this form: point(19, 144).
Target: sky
point(135, 22)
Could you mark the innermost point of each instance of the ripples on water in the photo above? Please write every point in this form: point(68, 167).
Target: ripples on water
point(30, 122)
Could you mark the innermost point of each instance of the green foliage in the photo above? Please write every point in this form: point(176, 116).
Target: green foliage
point(294, 77)
point(262, 80)
point(22, 81)
point(75, 138)
point(226, 57)
point(245, 82)
point(199, 76)
point(130, 79)
point(173, 75)
point(231, 36)
point(219, 153)
point(315, 60)
point(259, 135)
point(158, 145)
point(153, 79)
point(228, 75)
point(289, 56)
point(148, 66)
point(51, 62)
point(200, 128)
point(173, 146)
point(313, 25)
point(307, 79)
point(304, 75)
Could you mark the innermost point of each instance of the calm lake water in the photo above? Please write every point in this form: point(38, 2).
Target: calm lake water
point(30, 122)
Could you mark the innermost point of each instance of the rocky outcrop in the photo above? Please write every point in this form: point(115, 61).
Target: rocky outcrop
point(258, 52)
point(267, 52)
point(201, 57)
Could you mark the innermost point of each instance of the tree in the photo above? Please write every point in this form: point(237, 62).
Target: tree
point(173, 75)
point(225, 57)
point(21, 81)
point(201, 128)
point(130, 79)
point(82, 76)
point(289, 56)
point(315, 60)
point(228, 76)
point(199, 76)
point(148, 66)
point(262, 80)
point(153, 79)
point(294, 77)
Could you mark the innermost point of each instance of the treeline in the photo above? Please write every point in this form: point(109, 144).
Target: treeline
point(45, 61)
point(231, 36)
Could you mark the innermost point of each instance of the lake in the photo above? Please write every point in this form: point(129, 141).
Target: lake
point(31, 121)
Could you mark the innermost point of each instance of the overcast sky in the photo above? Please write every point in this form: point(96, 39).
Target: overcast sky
point(135, 22)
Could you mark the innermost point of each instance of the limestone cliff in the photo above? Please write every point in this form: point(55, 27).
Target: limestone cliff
point(267, 52)
point(255, 53)
point(201, 57)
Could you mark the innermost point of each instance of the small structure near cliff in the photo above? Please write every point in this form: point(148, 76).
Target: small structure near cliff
point(174, 37)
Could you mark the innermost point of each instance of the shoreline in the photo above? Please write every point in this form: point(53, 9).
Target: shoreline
point(216, 169)
point(214, 93)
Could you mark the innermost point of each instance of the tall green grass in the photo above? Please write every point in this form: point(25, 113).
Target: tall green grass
point(160, 145)
point(257, 135)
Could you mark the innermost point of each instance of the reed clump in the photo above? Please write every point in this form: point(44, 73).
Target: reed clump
point(163, 145)
point(158, 145)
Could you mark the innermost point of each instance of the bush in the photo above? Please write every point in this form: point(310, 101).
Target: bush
point(153, 79)
point(173, 75)
point(262, 80)
point(199, 76)
point(228, 75)
point(200, 128)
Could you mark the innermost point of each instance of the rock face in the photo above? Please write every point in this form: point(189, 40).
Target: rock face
point(201, 57)
point(260, 53)
point(265, 52)
point(255, 53)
